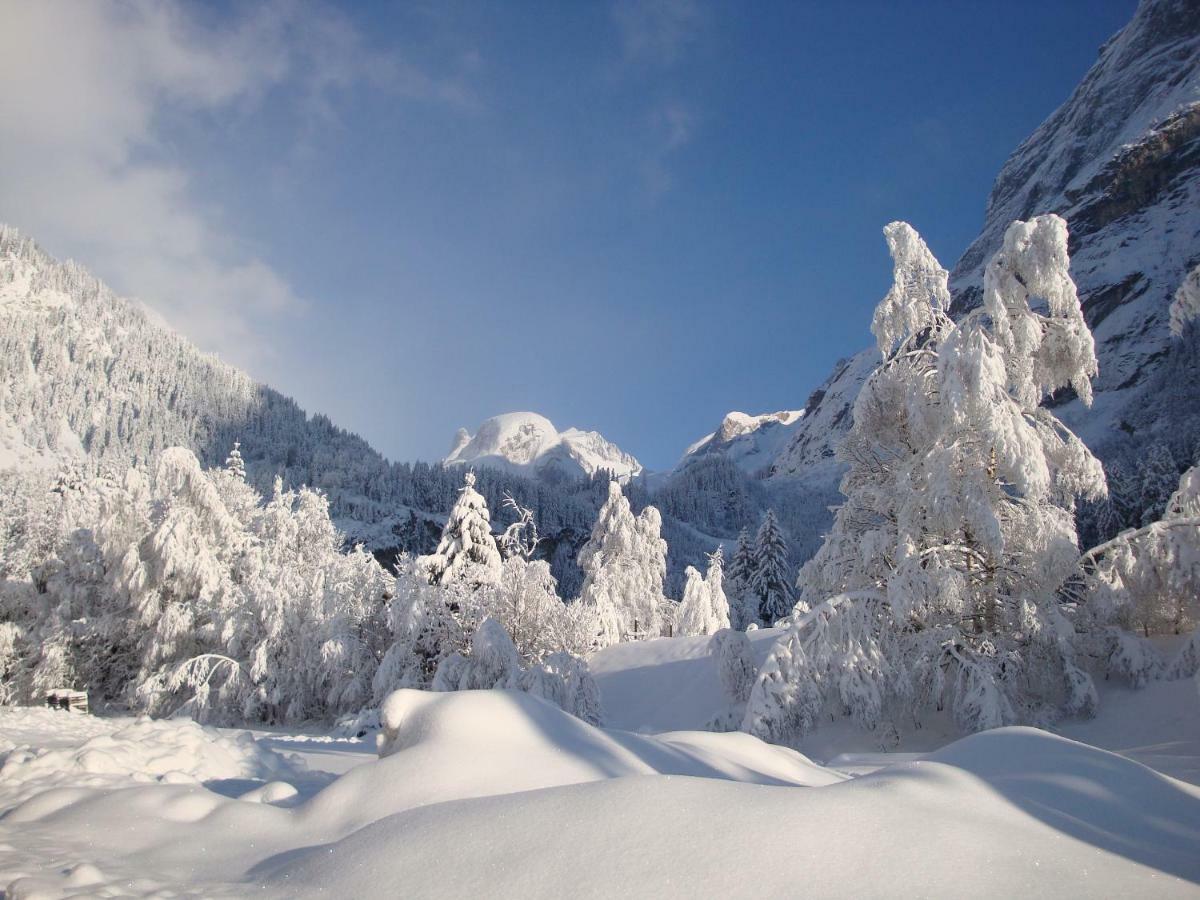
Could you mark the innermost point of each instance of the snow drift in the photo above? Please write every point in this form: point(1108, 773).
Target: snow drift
point(499, 793)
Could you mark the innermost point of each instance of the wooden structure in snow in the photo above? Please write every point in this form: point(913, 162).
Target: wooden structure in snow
point(68, 699)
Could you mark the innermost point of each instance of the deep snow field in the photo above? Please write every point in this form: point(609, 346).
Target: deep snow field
point(497, 793)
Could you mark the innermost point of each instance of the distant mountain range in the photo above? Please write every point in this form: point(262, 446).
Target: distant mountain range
point(87, 376)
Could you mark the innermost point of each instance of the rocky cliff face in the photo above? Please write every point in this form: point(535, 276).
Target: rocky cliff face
point(1120, 161)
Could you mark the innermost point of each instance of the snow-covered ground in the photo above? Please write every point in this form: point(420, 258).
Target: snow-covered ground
point(672, 684)
point(498, 793)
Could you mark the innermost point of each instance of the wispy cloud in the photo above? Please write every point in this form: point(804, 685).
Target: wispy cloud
point(671, 127)
point(654, 39)
point(656, 32)
point(87, 164)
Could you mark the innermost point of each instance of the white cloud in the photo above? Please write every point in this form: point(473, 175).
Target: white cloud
point(87, 169)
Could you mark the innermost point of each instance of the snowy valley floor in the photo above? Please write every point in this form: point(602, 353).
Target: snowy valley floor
point(496, 793)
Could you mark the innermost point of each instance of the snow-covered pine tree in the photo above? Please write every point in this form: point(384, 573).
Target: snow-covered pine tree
point(467, 548)
point(234, 464)
point(1159, 476)
point(739, 576)
point(624, 564)
point(938, 584)
point(771, 582)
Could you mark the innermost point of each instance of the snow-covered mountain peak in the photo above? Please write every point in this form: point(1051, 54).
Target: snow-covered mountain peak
point(529, 442)
point(750, 441)
point(737, 423)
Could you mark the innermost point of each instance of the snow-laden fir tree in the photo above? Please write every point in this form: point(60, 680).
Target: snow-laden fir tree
point(739, 576)
point(704, 608)
point(234, 464)
point(624, 564)
point(937, 586)
point(467, 548)
point(770, 582)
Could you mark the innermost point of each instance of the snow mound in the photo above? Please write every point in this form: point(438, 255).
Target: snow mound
point(498, 793)
point(527, 443)
point(120, 753)
point(1014, 811)
point(436, 747)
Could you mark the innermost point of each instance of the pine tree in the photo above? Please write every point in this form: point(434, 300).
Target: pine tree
point(234, 464)
point(743, 605)
point(771, 584)
point(1159, 476)
point(467, 548)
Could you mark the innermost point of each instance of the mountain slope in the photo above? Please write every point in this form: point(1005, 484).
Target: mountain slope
point(1120, 161)
point(89, 378)
point(749, 441)
point(529, 444)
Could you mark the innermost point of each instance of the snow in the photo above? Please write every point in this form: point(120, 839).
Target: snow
point(751, 442)
point(528, 443)
point(666, 684)
point(497, 793)
point(673, 684)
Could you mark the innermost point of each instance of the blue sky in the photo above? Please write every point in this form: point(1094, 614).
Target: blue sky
point(628, 217)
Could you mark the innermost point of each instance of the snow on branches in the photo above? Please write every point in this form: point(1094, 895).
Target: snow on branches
point(937, 586)
point(624, 564)
point(704, 608)
point(467, 548)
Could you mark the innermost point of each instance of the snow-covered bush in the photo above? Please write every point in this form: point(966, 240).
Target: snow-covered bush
point(1147, 581)
point(492, 662)
point(736, 671)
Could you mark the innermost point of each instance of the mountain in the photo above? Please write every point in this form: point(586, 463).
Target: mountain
point(528, 444)
point(1120, 161)
point(749, 441)
point(88, 378)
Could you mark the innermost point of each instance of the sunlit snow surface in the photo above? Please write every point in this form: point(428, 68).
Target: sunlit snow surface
point(497, 793)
